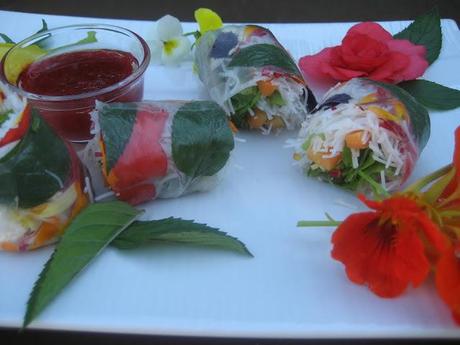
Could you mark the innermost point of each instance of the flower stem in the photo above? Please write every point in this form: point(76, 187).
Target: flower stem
point(317, 223)
point(424, 181)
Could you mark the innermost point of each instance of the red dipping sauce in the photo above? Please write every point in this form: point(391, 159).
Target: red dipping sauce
point(79, 73)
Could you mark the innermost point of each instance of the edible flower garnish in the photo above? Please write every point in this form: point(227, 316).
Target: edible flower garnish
point(406, 236)
point(369, 51)
point(207, 20)
point(168, 45)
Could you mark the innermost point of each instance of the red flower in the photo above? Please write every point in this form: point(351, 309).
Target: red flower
point(448, 280)
point(386, 248)
point(369, 51)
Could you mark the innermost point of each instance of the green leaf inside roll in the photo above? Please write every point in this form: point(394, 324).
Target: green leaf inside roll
point(37, 168)
point(117, 122)
point(264, 54)
point(201, 138)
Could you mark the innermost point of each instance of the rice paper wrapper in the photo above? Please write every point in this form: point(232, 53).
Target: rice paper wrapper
point(41, 179)
point(364, 136)
point(147, 150)
point(253, 78)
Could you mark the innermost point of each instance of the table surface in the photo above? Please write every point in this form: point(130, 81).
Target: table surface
point(256, 11)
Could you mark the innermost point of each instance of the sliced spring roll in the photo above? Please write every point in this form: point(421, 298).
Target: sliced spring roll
point(147, 150)
point(364, 136)
point(41, 180)
point(253, 78)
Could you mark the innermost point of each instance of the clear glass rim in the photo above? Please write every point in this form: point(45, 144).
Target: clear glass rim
point(92, 94)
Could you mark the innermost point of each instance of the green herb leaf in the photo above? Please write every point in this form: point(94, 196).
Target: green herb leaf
point(40, 165)
point(242, 102)
point(6, 38)
point(432, 95)
point(201, 138)
point(84, 239)
point(276, 99)
point(260, 55)
point(346, 156)
point(177, 230)
point(419, 117)
point(426, 31)
point(116, 121)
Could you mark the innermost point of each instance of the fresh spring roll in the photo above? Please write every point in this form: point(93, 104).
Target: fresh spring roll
point(253, 78)
point(41, 180)
point(364, 136)
point(166, 149)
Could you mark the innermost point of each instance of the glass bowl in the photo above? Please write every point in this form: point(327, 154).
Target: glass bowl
point(70, 114)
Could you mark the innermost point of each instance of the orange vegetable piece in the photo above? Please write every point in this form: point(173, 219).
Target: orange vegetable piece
point(258, 119)
point(266, 87)
point(326, 163)
point(354, 140)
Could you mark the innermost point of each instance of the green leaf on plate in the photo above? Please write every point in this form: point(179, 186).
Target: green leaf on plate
point(84, 239)
point(6, 38)
point(425, 30)
point(116, 121)
point(201, 138)
point(177, 230)
point(39, 165)
point(432, 95)
point(259, 55)
point(419, 117)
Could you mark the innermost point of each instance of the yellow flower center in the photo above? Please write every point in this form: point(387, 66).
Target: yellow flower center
point(169, 46)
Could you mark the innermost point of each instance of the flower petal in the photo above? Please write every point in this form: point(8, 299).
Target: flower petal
point(176, 50)
point(374, 30)
point(417, 59)
point(311, 65)
point(156, 49)
point(448, 280)
point(386, 249)
point(168, 27)
point(207, 20)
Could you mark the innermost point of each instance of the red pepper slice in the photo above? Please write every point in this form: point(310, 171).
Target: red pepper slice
point(142, 159)
point(18, 132)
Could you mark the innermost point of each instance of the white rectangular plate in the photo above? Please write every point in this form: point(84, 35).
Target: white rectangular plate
point(292, 288)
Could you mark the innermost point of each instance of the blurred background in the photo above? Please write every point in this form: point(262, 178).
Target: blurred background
point(243, 10)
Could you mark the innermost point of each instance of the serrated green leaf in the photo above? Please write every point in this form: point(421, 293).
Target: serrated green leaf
point(177, 230)
point(419, 117)
point(40, 165)
point(6, 38)
point(426, 31)
point(432, 95)
point(84, 239)
point(201, 138)
point(260, 55)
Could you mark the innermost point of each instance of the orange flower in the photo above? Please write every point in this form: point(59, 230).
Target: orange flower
point(386, 248)
point(448, 279)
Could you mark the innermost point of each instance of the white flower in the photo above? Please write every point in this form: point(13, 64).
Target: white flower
point(168, 45)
